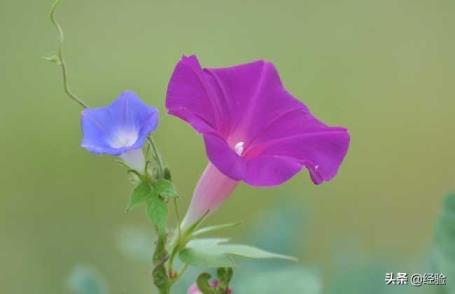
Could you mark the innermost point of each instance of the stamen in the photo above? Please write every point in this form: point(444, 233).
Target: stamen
point(239, 148)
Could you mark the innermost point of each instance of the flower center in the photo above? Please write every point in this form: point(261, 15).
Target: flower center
point(239, 148)
point(123, 139)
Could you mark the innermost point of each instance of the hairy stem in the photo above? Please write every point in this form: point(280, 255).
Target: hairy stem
point(160, 256)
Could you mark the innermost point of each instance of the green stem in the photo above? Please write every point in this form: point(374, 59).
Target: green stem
point(174, 252)
point(61, 58)
point(160, 256)
point(162, 277)
point(177, 217)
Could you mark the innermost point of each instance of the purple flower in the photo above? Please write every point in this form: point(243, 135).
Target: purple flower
point(254, 130)
point(120, 128)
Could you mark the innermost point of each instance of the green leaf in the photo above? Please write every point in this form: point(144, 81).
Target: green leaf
point(215, 228)
point(207, 242)
point(206, 259)
point(202, 252)
point(252, 252)
point(213, 252)
point(165, 188)
point(194, 226)
point(157, 212)
point(139, 195)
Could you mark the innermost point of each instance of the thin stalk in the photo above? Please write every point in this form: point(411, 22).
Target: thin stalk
point(157, 155)
point(61, 59)
point(177, 216)
point(177, 244)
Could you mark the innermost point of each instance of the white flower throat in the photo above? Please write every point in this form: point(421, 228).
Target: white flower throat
point(239, 148)
point(124, 139)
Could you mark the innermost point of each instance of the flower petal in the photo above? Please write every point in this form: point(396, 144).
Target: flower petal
point(190, 96)
point(223, 157)
point(96, 131)
point(320, 152)
point(276, 128)
point(254, 97)
point(119, 127)
point(268, 170)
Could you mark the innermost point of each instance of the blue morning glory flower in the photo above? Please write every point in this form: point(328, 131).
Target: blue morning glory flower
point(120, 128)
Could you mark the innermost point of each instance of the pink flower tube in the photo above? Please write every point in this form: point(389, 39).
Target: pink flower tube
point(211, 191)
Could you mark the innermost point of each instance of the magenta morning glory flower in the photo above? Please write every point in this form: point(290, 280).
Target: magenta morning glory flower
point(119, 129)
point(254, 130)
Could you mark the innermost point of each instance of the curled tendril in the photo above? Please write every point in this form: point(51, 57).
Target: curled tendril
point(59, 58)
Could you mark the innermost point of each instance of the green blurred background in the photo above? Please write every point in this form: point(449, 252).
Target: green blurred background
point(384, 69)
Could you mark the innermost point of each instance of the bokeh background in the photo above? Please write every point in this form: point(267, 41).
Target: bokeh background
point(384, 69)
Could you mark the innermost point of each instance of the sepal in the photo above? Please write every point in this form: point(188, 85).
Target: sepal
point(155, 198)
point(157, 211)
point(216, 252)
point(215, 228)
point(165, 189)
point(139, 195)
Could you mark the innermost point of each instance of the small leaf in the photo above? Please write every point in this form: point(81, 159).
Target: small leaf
point(165, 188)
point(252, 252)
point(213, 252)
point(157, 212)
point(194, 226)
point(139, 195)
point(202, 252)
point(215, 228)
point(53, 58)
point(207, 242)
point(207, 259)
